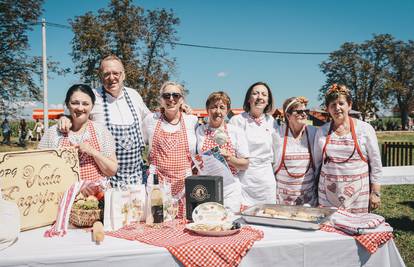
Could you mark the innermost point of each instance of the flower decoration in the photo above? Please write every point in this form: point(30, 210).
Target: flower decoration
point(337, 89)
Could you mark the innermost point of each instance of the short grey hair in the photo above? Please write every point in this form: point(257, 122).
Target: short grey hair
point(172, 83)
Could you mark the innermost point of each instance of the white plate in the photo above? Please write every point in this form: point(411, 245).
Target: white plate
point(211, 233)
point(211, 212)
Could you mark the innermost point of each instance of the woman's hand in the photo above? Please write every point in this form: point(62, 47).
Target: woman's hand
point(226, 154)
point(87, 148)
point(64, 124)
point(374, 200)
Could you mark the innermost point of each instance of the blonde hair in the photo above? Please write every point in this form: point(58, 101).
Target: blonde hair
point(171, 83)
point(293, 102)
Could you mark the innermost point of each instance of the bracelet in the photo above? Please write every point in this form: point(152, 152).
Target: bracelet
point(378, 194)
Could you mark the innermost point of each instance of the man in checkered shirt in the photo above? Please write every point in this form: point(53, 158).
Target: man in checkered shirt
point(122, 110)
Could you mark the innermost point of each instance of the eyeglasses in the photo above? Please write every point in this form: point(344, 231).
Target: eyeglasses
point(300, 111)
point(175, 96)
point(116, 74)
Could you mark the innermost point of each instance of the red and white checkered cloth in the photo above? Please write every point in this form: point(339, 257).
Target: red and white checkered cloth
point(370, 242)
point(192, 249)
point(60, 227)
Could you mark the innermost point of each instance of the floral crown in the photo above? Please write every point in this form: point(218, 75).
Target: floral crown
point(337, 89)
point(300, 99)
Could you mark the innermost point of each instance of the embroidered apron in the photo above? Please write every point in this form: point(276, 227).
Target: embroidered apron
point(258, 181)
point(89, 170)
point(295, 174)
point(344, 178)
point(231, 192)
point(170, 154)
point(129, 146)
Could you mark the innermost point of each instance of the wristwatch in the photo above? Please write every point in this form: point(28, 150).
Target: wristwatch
point(378, 194)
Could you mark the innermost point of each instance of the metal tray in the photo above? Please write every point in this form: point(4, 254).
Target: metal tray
point(321, 216)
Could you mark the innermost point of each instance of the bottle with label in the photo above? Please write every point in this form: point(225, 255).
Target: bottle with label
point(157, 210)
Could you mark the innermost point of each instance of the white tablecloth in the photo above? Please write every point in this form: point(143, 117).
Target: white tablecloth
point(397, 175)
point(279, 247)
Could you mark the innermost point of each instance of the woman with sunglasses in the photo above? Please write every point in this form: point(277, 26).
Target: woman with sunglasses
point(349, 153)
point(170, 134)
point(231, 141)
point(294, 161)
point(258, 181)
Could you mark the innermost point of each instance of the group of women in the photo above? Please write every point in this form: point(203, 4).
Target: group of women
point(336, 165)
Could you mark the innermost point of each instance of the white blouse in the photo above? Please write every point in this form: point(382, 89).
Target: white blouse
point(295, 146)
point(190, 121)
point(53, 137)
point(259, 137)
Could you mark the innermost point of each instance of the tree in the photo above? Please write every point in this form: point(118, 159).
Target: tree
point(139, 38)
point(362, 68)
point(400, 78)
point(16, 81)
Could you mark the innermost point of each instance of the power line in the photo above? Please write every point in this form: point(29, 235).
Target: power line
point(252, 50)
point(215, 47)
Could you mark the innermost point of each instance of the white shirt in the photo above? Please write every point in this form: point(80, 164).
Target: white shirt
point(119, 112)
point(190, 121)
point(259, 137)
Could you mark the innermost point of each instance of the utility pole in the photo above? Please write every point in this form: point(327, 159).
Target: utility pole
point(44, 62)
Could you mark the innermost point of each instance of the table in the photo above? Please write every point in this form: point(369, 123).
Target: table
point(279, 247)
point(397, 175)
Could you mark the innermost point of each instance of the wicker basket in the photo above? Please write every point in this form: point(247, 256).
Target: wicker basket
point(84, 218)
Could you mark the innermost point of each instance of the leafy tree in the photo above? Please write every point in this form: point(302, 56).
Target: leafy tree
point(400, 76)
point(139, 38)
point(362, 68)
point(16, 81)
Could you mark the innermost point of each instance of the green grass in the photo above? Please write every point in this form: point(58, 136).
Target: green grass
point(398, 210)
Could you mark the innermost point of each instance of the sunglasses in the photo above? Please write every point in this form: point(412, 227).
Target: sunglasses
point(300, 111)
point(175, 96)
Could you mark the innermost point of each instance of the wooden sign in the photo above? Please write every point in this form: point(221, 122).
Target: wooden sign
point(36, 181)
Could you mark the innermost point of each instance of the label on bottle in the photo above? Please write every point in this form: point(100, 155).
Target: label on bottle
point(157, 213)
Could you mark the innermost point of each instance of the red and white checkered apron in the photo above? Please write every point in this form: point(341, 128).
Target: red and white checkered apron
point(170, 154)
point(209, 143)
point(89, 170)
point(370, 242)
point(344, 178)
point(295, 175)
point(192, 249)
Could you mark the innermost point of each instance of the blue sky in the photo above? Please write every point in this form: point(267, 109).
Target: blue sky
point(309, 26)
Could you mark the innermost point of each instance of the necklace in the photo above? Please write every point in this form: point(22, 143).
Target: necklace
point(175, 123)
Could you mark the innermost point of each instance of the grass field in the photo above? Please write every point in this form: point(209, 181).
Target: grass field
point(397, 200)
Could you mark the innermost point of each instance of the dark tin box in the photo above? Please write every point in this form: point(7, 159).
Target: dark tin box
point(200, 189)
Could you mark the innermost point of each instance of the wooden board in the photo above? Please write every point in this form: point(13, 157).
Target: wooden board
point(36, 181)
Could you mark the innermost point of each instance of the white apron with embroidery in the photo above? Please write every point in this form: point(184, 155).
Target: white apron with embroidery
point(258, 181)
point(295, 179)
point(344, 178)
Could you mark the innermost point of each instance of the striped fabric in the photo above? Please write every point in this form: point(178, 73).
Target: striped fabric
point(344, 177)
point(60, 227)
point(295, 175)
